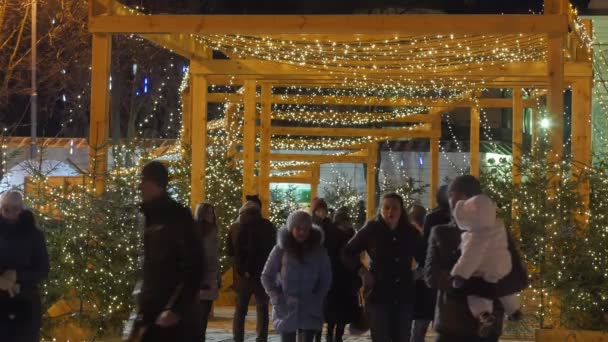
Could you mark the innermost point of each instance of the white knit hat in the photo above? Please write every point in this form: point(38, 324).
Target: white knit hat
point(299, 218)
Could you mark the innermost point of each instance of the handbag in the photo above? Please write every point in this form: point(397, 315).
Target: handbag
point(360, 325)
point(517, 280)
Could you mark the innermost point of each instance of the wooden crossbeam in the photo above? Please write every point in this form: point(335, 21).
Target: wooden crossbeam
point(290, 179)
point(421, 131)
point(430, 24)
point(269, 69)
point(373, 101)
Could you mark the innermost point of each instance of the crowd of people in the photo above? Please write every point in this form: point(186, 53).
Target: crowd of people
point(455, 267)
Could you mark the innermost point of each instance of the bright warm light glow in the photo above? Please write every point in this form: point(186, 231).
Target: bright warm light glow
point(545, 123)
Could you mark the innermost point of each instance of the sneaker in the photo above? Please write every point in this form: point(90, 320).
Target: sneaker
point(516, 316)
point(486, 324)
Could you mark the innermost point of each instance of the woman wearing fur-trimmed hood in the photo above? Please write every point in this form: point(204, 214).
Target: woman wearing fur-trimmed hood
point(297, 276)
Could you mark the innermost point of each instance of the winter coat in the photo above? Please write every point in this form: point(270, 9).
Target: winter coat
point(342, 302)
point(172, 260)
point(392, 253)
point(426, 297)
point(23, 249)
point(211, 263)
point(452, 314)
point(250, 244)
point(484, 246)
point(297, 285)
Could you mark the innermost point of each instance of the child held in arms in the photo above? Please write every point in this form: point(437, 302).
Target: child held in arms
point(484, 253)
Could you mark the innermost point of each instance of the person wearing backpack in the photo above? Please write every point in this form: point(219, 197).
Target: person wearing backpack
point(297, 277)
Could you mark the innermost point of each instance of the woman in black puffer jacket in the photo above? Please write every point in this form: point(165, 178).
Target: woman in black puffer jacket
point(24, 263)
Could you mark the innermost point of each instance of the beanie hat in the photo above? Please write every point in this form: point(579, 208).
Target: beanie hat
point(342, 217)
point(156, 172)
point(467, 184)
point(249, 207)
point(255, 199)
point(317, 203)
point(298, 218)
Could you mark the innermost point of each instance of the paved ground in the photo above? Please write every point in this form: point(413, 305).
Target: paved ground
point(220, 329)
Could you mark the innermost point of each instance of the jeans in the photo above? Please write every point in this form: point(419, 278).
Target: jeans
point(251, 287)
point(419, 328)
point(452, 338)
point(390, 322)
point(300, 336)
point(206, 306)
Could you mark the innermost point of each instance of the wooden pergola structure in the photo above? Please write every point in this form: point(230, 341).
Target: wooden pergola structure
point(374, 60)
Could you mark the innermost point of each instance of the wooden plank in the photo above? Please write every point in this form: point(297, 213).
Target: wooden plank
point(187, 114)
point(517, 133)
point(100, 109)
point(264, 155)
point(291, 179)
point(555, 96)
point(316, 180)
point(474, 141)
point(318, 158)
point(581, 142)
point(270, 69)
point(373, 100)
point(199, 140)
point(370, 186)
point(434, 146)
point(249, 140)
point(324, 24)
point(420, 131)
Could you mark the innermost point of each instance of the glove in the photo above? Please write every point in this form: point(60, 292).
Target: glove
point(8, 282)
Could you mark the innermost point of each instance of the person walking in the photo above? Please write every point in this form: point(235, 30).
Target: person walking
point(392, 244)
point(252, 240)
point(172, 264)
point(206, 222)
point(297, 276)
point(342, 300)
point(454, 321)
point(320, 217)
point(24, 264)
point(426, 297)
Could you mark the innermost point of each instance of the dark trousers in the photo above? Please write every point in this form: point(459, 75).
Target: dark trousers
point(419, 328)
point(248, 288)
point(206, 306)
point(453, 338)
point(300, 336)
point(20, 319)
point(390, 322)
point(335, 331)
point(187, 330)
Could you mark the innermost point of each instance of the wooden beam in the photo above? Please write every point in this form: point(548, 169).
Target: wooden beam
point(291, 179)
point(374, 101)
point(249, 187)
point(316, 179)
point(421, 131)
point(100, 109)
point(262, 69)
point(265, 123)
point(187, 114)
point(434, 145)
point(474, 141)
point(517, 133)
point(581, 142)
point(555, 96)
point(318, 158)
point(429, 24)
point(372, 161)
point(199, 140)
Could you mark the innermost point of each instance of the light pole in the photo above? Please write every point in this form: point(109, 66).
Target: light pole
point(34, 95)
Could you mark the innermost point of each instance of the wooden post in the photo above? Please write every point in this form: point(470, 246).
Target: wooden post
point(100, 109)
point(474, 141)
point(372, 159)
point(229, 111)
point(517, 133)
point(249, 140)
point(187, 115)
point(555, 91)
point(581, 141)
point(265, 122)
point(534, 128)
point(316, 179)
point(199, 138)
point(434, 171)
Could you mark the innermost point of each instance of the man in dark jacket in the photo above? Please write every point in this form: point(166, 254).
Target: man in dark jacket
point(250, 243)
point(453, 319)
point(172, 262)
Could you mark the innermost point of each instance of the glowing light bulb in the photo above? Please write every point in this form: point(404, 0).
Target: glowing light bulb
point(545, 123)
